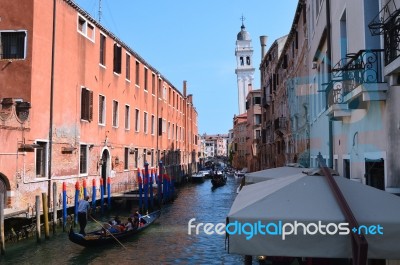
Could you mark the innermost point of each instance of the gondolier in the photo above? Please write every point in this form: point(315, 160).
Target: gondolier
point(83, 208)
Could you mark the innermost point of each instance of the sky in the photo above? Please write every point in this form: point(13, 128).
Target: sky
point(195, 41)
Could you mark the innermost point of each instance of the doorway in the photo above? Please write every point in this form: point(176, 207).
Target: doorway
point(3, 189)
point(375, 173)
point(105, 171)
point(346, 168)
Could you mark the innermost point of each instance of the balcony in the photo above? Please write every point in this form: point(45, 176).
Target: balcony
point(355, 80)
point(386, 22)
point(280, 125)
point(267, 101)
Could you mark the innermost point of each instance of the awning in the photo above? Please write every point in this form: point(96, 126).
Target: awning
point(308, 200)
point(271, 173)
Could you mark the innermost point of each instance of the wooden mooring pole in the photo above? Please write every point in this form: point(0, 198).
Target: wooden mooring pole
point(37, 208)
point(45, 215)
point(54, 207)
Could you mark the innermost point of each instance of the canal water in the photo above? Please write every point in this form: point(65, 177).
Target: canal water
point(165, 242)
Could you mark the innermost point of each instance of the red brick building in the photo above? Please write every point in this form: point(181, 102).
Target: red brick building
point(77, 104)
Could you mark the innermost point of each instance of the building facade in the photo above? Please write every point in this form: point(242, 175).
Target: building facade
point(77, 104)
point(269, 150)
point(253, 135)
point(239, 144)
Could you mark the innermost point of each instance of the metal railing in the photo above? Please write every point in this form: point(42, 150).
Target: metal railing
point(363, 67)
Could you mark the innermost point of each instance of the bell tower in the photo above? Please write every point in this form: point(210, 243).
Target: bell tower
point(244, 66)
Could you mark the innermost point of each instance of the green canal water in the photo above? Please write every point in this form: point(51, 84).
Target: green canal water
point(166, 242)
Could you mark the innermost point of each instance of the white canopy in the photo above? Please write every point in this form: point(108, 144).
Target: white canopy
point(308, 199)
point(271, 173)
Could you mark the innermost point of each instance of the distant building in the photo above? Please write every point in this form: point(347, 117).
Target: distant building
point(253, 128)
point(239, 141)
point(216, 145)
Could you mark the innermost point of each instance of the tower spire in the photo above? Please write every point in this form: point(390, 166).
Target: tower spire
point(242, 18)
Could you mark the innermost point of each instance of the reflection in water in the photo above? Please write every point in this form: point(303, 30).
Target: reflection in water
point(165, 242)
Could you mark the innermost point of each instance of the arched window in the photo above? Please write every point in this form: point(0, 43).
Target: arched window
point(248, 60)
point(241, 61)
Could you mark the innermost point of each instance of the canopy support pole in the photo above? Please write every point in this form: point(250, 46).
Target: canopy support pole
point(248, 260)
point(359, 244)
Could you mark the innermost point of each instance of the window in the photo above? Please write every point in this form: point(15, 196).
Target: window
point(83, 161)
point(169, 130)
point(127, 117)
point(102, 110)
point(145, 122)
point(128, 67)
point(41, 159)
point(241, 61)
point(152, 124)
point(85, 28)
point(115, 113)
point(164, 125)
point(160, 126)
point(12, 45)
point(126, 158)
point(153, 84)
point(137, 121)
point(144, 156)
point(137, 72)
point(117, 58)
point(256, 100)
point(102, 49)
point(145, 79)
point(152, 157)
point(258, 134)
point(165, 93)
point(248, 60)
point(86, 104)
point(136, 157)
point(257, 119)
point(159, 88)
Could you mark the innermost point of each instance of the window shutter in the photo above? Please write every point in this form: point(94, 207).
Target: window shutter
point(160, 123)
point(90, 94)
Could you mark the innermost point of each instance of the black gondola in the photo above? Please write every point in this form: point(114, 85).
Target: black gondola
point(218, 180)
point(99, 237)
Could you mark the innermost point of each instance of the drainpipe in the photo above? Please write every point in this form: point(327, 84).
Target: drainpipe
point(51, 103)
point(329, 57)
point(158, 118)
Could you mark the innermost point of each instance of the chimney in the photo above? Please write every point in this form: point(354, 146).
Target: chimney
point(263, 41)
point(184, 88)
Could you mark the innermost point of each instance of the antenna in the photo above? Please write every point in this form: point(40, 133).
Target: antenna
point(99, 11)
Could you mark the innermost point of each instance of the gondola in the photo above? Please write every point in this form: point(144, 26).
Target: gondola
point(99, 237)
point(218, 180)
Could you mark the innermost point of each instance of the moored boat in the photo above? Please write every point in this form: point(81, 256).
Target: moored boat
point(101, 237)
point(198, 177)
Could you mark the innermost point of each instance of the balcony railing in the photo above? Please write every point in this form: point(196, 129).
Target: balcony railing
point(380, 23)
point(387, 22)
point(280, 124)
point(363, 67)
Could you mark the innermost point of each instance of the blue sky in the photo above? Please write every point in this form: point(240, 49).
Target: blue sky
point(195, 41)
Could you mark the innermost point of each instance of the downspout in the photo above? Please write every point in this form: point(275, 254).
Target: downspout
point(158, 118)
point(51, 103)
point(329, 59)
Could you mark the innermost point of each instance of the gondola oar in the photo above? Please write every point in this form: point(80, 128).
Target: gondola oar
point(108, 232)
